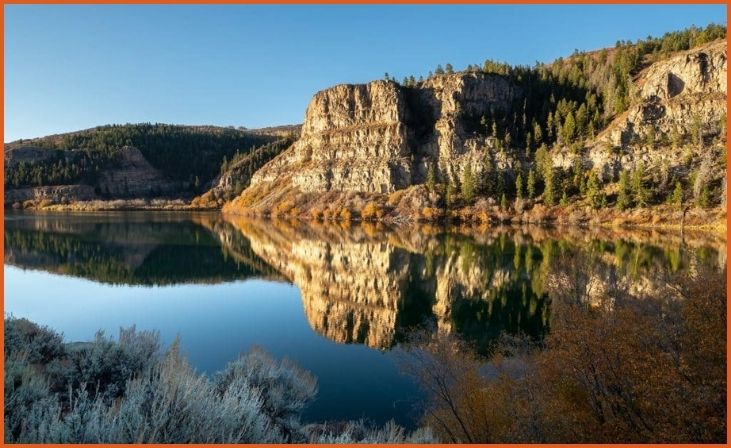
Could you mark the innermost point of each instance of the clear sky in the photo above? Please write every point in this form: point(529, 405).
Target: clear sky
point(74, 67)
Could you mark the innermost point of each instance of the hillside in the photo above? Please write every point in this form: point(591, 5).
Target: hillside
point(595, 136)
point(122, 161)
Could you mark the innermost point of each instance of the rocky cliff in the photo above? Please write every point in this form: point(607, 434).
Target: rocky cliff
point(678, 96)
point(381, 137)
point(375, 142)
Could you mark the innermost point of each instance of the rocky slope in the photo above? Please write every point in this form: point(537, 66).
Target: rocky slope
point(381, 137)
point(672, 96)
point(131, 175)
point(132, 162)
point(377, 142)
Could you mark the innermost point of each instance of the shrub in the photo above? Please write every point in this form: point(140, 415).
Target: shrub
point(430, 213)
point(255, 399)
point(360, 432)
point(35, 343)
point(345, 214)
point(283, 208)
point(104, 366)
point(284, 389)
point(316, 213)
point(370, 211)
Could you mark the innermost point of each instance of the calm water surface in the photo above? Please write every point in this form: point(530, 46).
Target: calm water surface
point(335, 299)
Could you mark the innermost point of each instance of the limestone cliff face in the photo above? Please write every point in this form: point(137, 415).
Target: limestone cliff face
point(354, 137)
point(381, 137)
point(672, 96)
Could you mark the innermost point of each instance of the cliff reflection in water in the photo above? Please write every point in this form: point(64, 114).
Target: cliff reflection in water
point(371, 284)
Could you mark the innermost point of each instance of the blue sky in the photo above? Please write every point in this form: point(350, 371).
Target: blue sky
point(73, 67)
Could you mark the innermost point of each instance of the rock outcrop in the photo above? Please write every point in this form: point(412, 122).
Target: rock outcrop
point(133, 176)
point(681, 95)
point(381, 137)
point(361, 143)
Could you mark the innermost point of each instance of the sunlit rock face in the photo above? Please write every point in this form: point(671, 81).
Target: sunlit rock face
point(675, 95)
point(381, 137)
point(373, 285)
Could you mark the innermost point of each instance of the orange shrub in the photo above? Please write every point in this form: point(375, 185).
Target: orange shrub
point(482, 216)
point(430, 213)
point(316, 213)
point(371, 211)
point(282, 208)
point(345, 214)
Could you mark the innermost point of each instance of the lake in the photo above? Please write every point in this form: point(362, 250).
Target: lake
point(336, 299)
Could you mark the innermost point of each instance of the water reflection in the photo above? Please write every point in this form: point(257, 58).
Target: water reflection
point(127, 248)
point(372, 284)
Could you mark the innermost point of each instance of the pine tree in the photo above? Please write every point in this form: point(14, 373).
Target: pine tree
point(537, 133)
point(451, 192)
point(704, 199)
point(468, 183)
point(624, 201)
point(549, 125)
point(503, 202)
point(431, 178)
point(519, 186)
point(488, 187)
point(564, 200)
point(581, 121)
point(593, 190)
point(224, 165)
point(531, 185)
point(677, 196)
point(549, 193)
point(500, 187)
point(638, 189)
point(569, 129)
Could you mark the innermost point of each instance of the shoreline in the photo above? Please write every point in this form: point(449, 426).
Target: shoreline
point(621, 220)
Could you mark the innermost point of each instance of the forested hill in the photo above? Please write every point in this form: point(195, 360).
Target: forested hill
point(192, 154)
